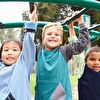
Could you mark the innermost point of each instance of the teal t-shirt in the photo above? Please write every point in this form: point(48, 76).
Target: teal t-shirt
point(52, 76)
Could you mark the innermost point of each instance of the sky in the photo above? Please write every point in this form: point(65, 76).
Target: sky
point(12, 11)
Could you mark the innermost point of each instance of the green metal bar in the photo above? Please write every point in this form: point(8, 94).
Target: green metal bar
point(19, 24)
point(92, 32)
point(90, 4)
point(74, 17)
point(93, 38)
point(41, 24)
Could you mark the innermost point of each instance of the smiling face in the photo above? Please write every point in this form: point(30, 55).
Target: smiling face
point(92, 58)
point(10, 52)
point(93, 61)
point(52, 37)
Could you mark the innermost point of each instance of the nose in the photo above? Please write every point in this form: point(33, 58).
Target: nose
point(53, 35)
point(10, 52)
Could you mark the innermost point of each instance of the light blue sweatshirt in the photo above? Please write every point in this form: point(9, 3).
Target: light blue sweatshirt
point(15, 79)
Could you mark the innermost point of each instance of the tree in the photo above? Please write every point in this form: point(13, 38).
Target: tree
point(52, 12)
point(6, 34)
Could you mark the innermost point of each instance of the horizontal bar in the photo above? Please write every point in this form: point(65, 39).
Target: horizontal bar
point(41, 24)
point(93, 38)
point(90, 4)
point(74, 17)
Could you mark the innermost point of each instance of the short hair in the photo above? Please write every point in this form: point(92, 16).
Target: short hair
point(8, 41)
point(56, 24)
point(92, 49)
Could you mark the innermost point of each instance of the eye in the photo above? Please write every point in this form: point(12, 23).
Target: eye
point(56, 34)
point(5, 50)
point(92, 59)
point(15, 49)
point(48, 33)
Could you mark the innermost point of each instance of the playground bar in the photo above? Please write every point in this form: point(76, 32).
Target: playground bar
point(74, 17)
point(90, 4)
point(41, 24)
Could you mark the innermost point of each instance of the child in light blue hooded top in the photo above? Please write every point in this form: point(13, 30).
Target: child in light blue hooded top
point(16, 64)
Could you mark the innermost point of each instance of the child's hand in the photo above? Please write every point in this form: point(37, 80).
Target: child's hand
point(79, 20)
point(33, 16)
point(70, 25)
point(71, 29)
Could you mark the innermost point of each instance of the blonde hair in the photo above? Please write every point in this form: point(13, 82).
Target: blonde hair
point(92, 49)
point(57, 25)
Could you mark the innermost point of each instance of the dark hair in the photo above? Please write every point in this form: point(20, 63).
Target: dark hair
point(92, 49)
point(8, 41)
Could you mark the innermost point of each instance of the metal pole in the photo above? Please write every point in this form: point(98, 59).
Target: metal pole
point(90, 4)
point(41, 24)
point(74, 17)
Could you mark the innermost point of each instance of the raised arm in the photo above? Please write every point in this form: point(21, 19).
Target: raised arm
point(76, 47)
point(29, 50)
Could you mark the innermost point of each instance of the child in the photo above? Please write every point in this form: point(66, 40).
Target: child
point(16, 64)
point(89, 82)
point(52, 79)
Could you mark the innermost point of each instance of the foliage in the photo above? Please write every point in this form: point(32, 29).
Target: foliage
point(32, 83)
point(56, 12)
point(5, 34)
point(51, 12)
point(96, 42)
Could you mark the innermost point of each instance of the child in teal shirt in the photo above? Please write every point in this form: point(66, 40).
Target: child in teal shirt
point(52, 76)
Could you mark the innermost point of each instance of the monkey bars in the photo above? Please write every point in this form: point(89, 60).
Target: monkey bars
point(86, 4)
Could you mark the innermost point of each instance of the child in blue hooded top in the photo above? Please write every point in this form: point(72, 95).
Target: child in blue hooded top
point(52, 78)
point(16, 64)
point(88, 84)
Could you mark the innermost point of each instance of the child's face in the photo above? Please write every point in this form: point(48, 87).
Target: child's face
point(10, 52)
point(93, 61)
point(52, 38)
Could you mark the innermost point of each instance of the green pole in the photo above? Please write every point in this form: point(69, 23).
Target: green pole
point(74, 17)
point(93, 38)
point(41, 24)
point(90, 4)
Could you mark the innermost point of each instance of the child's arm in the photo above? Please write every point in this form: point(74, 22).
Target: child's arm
point(72, 34)
point(82, 41)
point(71, 29)
point(28, 52)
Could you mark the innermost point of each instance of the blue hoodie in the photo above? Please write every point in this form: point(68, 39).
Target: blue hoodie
point(15, 79)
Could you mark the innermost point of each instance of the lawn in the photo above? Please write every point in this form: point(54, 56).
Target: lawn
point(32, 83)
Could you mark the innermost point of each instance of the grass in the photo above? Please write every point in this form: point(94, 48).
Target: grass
point(73, 79)
point(32, 83)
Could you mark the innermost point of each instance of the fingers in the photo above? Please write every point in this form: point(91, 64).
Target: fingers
point(33, 16)
point(79, 20)
point(35, 9)
point(70, 25)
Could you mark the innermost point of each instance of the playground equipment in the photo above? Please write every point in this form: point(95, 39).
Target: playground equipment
point(88, 4)
point(91, 4)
